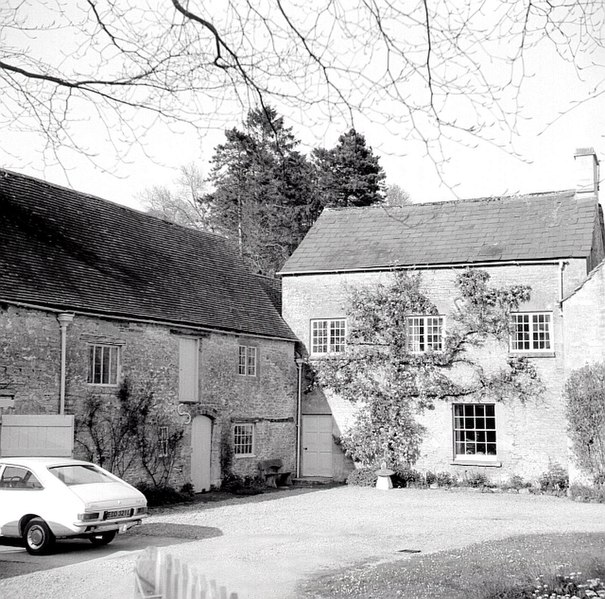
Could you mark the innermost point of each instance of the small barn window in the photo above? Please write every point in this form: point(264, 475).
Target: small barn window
point(243, 439)
point(103, 364)
point(247, 360)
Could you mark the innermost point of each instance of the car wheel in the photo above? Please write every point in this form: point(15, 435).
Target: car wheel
point(38, 537)
point(103, 538)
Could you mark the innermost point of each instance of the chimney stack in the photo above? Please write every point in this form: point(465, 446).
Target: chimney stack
point(587, 173)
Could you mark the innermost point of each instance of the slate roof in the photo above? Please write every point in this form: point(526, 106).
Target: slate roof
point(516, 228)
point(67, 250)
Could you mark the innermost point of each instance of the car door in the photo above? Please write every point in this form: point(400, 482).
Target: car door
point(20, 493)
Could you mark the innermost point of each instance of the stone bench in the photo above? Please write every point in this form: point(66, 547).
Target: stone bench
point(274, 476)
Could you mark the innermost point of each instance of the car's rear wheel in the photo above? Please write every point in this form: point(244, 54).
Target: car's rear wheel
point(103, 538)
point(38, 537)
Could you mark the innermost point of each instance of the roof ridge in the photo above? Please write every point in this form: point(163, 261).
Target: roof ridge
point(517, 196)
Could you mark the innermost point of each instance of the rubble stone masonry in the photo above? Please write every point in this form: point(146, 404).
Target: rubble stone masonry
point(30, 374)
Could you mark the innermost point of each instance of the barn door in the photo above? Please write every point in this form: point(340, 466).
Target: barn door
point(201, 442)
point(317, 445)
point(49, 435)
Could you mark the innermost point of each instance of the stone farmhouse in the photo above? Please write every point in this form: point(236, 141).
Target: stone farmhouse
point(553, 242)
point(92, 292)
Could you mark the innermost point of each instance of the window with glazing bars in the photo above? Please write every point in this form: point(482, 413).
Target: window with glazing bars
point(103, 364)
point(424, 333)
point(328, 336)
point(474, 429)
point(531, 332)
point(243, 439)
point(247, 360)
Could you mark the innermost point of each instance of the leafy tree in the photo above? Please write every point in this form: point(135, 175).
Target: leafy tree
point(391, 385)
point(349, 174)
point(585, 394)
point(263, 199)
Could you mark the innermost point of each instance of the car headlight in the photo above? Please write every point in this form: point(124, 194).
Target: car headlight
point(141, 510)
point(89, 516)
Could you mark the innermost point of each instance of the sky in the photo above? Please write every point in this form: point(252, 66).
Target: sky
point(538, 158)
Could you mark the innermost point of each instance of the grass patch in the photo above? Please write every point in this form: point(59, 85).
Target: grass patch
point(493, 570)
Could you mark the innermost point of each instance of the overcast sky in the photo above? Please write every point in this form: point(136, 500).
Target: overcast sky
point(548, 132)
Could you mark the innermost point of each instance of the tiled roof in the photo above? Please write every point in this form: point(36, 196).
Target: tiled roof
point(67, 250)
point(528, 227)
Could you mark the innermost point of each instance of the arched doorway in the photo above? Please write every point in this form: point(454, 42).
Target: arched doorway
point(201, 443)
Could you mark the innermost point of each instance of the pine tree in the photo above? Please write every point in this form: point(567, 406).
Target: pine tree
point(349, 174)
point(264, 197)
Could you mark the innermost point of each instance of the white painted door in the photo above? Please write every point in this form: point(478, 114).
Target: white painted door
point(317, 446)
point(201, 443)
point(48, 435)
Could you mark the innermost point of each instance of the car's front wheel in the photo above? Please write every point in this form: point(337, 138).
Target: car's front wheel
point(38, 537)
point(103, 538)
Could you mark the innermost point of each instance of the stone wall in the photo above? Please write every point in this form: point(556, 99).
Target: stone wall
point(530, 436)
point(30, 365)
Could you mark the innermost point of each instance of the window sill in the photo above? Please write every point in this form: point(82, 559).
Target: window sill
point(244, 455)
point(103, 385)
point(532, 354)
point(481, 463)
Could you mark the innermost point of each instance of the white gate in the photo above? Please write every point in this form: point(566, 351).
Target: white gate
point(201, 443)
point(37, 435)
point(317, 443)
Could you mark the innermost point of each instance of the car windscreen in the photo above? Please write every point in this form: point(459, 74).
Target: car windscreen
point(79, 475)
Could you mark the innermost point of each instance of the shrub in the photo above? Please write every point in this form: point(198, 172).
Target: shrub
point(588, 494)
point(517, 482)
point(554, 480)
point(430, 478)
point(363, 477)
point(445, 479)
point(475, 480)
point(585, 394)
point(163, 495)
point(405, 476)
point(243, 485)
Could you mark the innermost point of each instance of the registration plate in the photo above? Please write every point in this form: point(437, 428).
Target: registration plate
point(117, 514)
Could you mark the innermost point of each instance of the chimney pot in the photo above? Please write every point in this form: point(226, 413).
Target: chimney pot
point(587, 173)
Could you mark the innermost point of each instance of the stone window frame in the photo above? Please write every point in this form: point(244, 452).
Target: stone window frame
point(425, 324)
point(532, 330)
point(244, 438)
point(243, 367)
point(477, 433)
point(92, 348)
point(334, 344)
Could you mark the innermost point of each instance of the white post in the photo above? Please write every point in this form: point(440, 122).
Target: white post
point(64, 319)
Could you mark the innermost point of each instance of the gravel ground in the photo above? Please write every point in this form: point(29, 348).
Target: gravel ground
point(263, 549)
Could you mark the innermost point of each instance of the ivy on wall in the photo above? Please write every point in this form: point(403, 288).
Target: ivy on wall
point(391, 385)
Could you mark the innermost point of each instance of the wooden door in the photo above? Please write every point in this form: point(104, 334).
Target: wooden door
point(317, 446)
point(201, 443)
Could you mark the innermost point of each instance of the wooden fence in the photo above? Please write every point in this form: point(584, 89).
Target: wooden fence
point(160, 576)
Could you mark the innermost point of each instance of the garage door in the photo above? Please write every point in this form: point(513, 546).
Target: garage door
point(46, 436)
point(317, 446)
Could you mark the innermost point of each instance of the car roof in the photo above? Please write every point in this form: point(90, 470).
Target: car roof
point(30, 462)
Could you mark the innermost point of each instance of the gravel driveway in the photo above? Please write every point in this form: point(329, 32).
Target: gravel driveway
point(263, 548)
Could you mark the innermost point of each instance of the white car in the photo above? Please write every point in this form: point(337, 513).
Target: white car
point(43, 499)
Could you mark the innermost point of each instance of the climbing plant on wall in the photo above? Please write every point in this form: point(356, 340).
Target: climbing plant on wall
point(132, 434)
point(391, 384)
